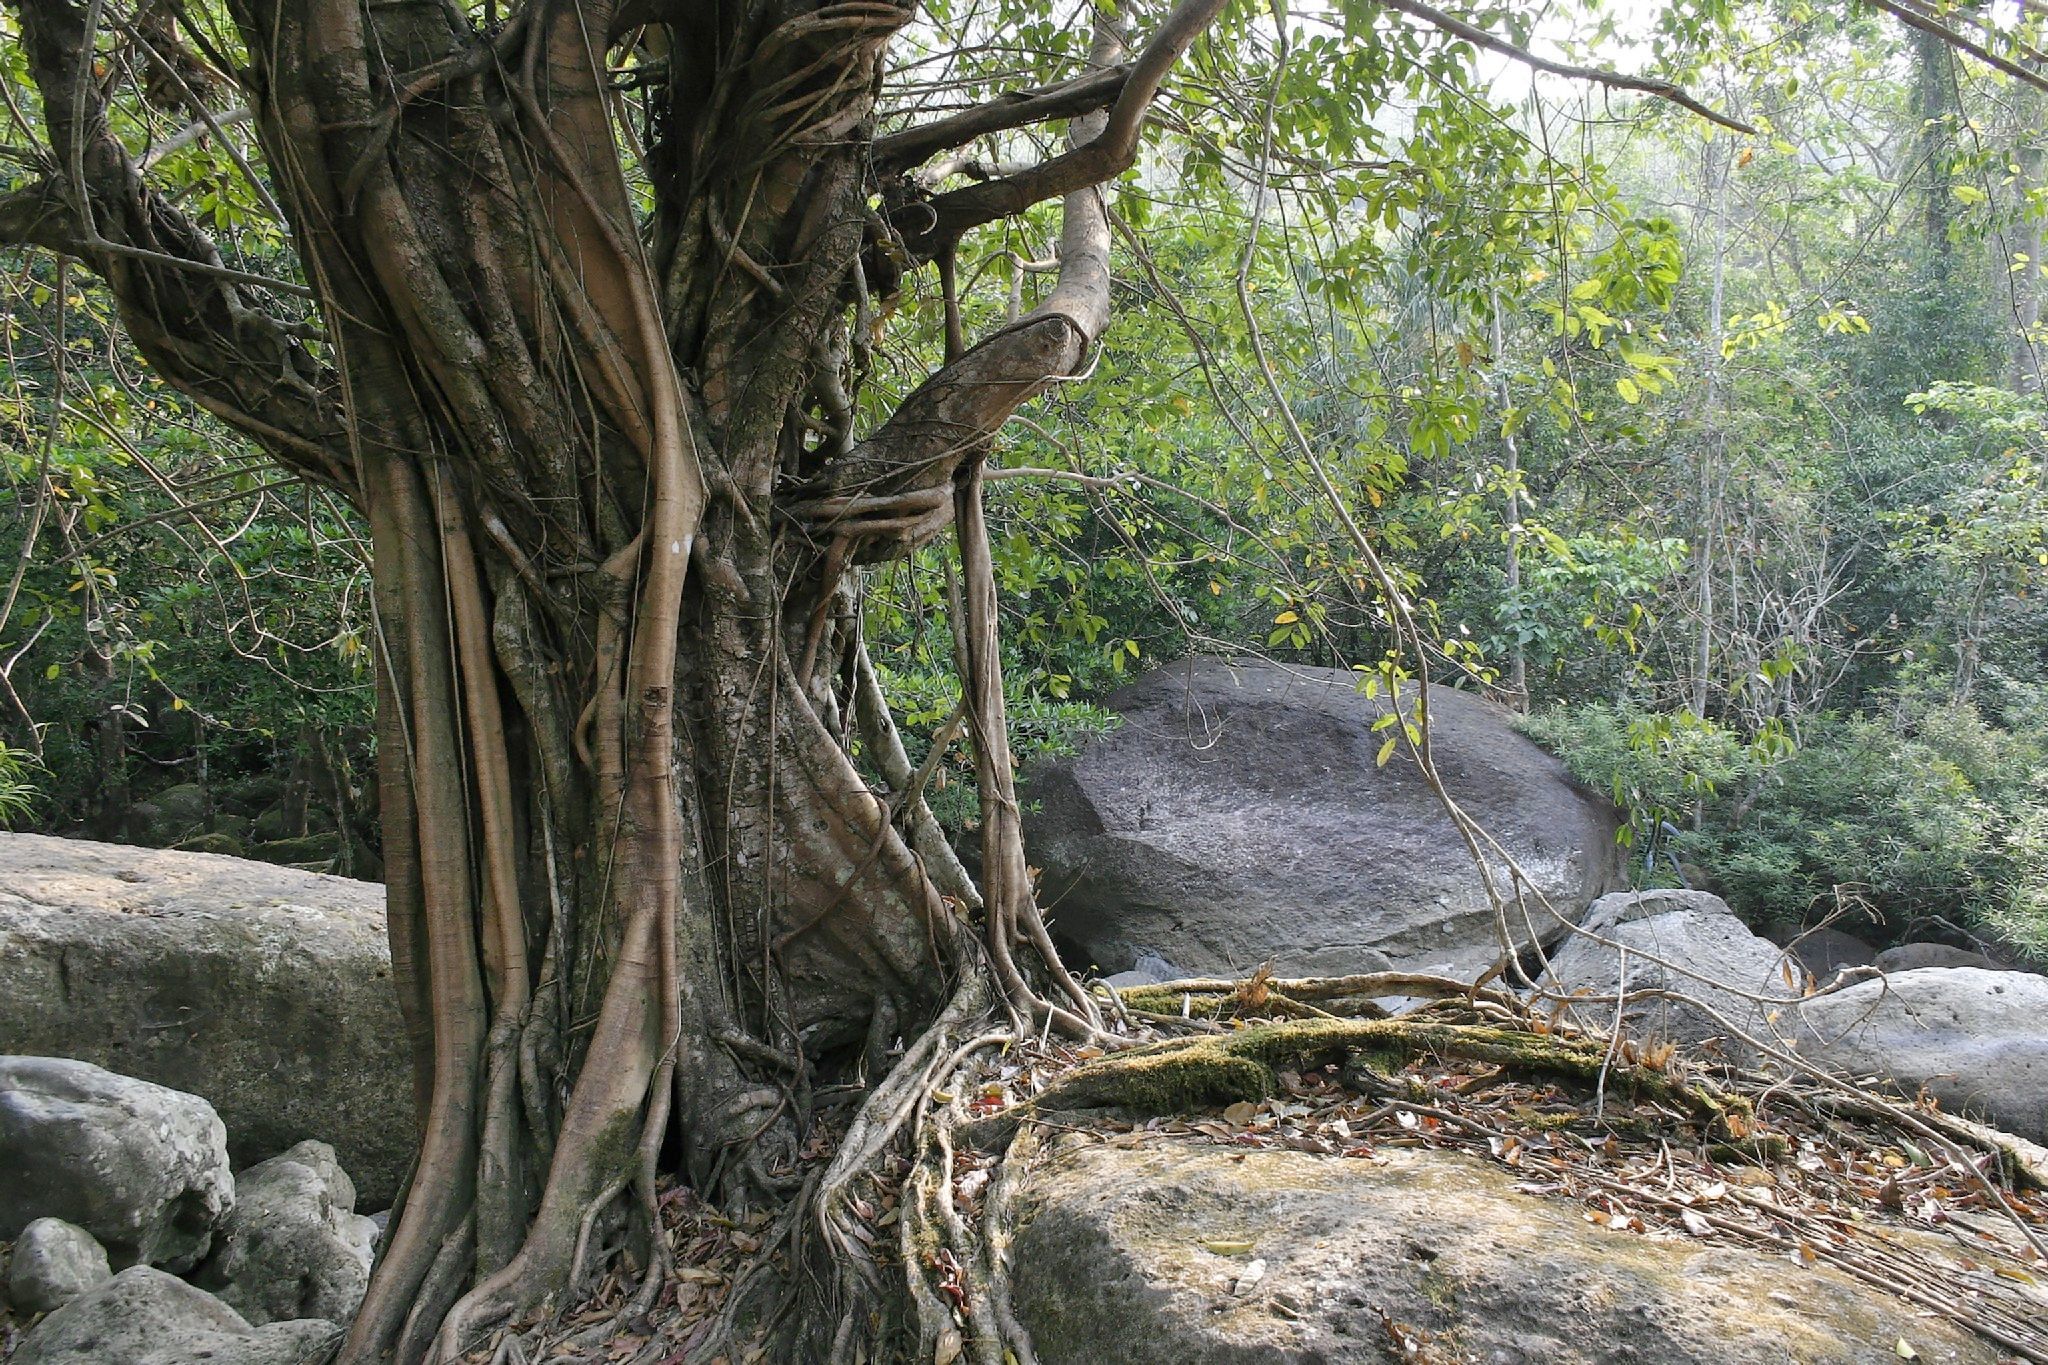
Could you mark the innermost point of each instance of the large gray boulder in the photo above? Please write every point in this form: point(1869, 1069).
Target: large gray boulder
point(142, 1168)
point(1911, 957)
point(294, 1247)
point(53, 1263)
point(1238, 816)
point(266, 990)
point(1686, 943)
point(1826, 951)
point(145, 1317)
point(1172, 1253)
point(1977, 1040)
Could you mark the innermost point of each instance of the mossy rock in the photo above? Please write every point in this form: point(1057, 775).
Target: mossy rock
point(317, 850)
point(214, 841)
point(252, 796)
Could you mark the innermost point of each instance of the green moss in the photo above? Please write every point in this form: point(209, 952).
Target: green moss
point(1156, 1000)
point(1221, 1069)
point(1439, 1288)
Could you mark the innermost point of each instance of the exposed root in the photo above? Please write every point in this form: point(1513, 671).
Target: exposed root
point(1260, 995)
point(999, 1220)
point(1192, 1073)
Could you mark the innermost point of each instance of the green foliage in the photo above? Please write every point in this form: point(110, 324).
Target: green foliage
point(19, 793)
point(1042, 726)
point(1928, 814)
point(1726, 444)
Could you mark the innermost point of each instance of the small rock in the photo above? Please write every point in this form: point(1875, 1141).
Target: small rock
point(54, 1262)
point(1151, 969)
point(294, 1246)
point(142, 1168)
point(1706, 946)
point(1823, 952)
point(145, 1317)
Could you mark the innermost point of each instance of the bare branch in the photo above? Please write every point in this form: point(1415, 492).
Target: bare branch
point(880, 492)
point(189, 312)
point(898, 152)
point(1912, 16)
point(193, 131)
point(1102, 158)
point(1480, 38)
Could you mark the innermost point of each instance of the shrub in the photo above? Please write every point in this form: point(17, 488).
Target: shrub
point(1930, 815)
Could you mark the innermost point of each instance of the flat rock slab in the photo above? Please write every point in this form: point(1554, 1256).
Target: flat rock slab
point(1116, 1263)
point(265, 990)
point(1239, 815)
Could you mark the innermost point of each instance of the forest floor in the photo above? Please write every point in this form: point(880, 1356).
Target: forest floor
point(1794, 1168)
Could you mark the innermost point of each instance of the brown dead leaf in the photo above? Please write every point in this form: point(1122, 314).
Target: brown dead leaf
point(1253, 992)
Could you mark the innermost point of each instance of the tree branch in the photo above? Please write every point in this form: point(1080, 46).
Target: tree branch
point(894, 479)
point(189, 313)
point(1103, 157)
point(1914, 17)
point(898, 152)
point(1480, 38)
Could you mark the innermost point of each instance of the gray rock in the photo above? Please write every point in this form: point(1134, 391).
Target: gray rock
point(169, 817)
point(1823, 952)
point(53, 1263)
point(1151, 969)
point(1909, 957)
point(1975, 1039)
point(142, 1168)
point(294, 1246)
point(1700, 937)
point(145, 1317)
point(267, 991)
point(1238, 816)
point(1116, 1263)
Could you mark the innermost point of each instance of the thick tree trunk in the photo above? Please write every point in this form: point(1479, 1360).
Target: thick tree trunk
point(641, 897)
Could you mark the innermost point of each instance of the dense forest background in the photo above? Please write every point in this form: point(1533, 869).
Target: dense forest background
point(1718, 453)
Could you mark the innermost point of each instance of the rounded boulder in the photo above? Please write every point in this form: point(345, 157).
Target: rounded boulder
point(1240, 814)
point(142, 1168)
